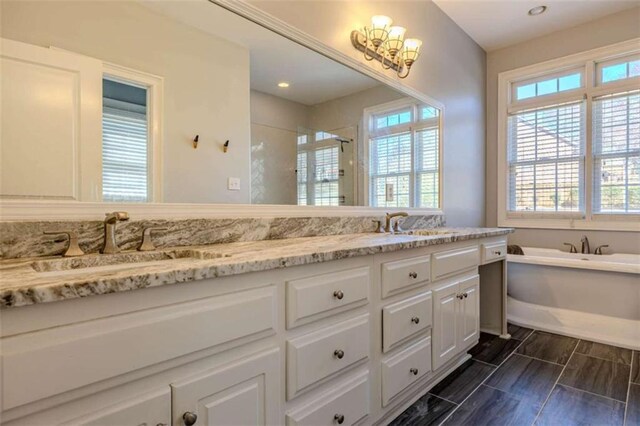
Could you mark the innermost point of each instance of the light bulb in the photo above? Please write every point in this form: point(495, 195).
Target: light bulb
point(411, 50)
point(395, 40)
point(379, 30)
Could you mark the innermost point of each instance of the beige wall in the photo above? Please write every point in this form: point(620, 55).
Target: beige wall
point(204, 94)
point(451, 70)
point(608, 30)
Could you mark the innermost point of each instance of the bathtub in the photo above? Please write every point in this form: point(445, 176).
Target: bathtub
point(594, 297)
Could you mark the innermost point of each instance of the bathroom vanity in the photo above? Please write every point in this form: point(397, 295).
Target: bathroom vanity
point(340, 329)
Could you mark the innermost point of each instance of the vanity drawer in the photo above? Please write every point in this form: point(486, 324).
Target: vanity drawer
point(348, 402)
point(320, 354)
point(493, 251)
point(405, 318)
point(452, 261)
point(312, 298)
point(405, 368)
point(402, 274)
point(112, 346)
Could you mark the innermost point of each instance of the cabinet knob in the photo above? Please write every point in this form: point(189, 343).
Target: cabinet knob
point(497, 253)
point(459, 296)
point(338, 294)
point(414, 371)
point(338, 418)
point(465, 295)
point(413, 275)
point(338, 353)
point(415, 320)
point(189, 418)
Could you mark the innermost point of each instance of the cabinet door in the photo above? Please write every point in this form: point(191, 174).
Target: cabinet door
point(245, 392)
point(149, 409)
point(469, 321)
point(445, 323)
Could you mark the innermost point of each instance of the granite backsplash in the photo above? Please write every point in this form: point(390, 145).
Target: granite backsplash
point(26, 239)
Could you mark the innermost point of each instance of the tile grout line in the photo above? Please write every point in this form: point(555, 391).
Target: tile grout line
point(486, 378)
point(540, 359)
point(544, 404)
point(610, 360)
point(626, 407)
point(590, 393)
point(444, 399)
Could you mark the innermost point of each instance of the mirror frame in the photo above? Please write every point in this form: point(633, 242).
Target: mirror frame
point(39, 210)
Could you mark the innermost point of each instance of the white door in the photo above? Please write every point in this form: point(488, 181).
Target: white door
point(245, 392)
point(469, 322)
point(445, 323)
point(51, 133)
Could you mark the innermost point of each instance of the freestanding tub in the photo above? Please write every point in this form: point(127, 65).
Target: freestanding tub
point(594, 297)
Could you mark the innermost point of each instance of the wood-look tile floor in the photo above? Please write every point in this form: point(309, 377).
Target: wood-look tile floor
point(536, 378)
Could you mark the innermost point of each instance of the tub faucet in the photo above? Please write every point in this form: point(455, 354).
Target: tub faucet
point(585, 245)
point(110, 221)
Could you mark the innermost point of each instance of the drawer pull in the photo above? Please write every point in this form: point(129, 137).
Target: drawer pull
point(338, 294)
point(189, 418)
point(459, 296)
point(338, 418)
point(338, 353)
point(497, 253)
point(465, 295)
point(413, 275)
point(414, 371)
point(415, 320)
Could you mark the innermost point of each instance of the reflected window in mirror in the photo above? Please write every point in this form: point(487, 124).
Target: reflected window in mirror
point(403, 142)
point(125, 153)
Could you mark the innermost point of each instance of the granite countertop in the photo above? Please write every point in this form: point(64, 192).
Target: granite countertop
point(22, 285)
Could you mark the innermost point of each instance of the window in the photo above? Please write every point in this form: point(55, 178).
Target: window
point(125, 165)
point(403, 146)
point(326, 177)
point(301, 176)
point(616, 152)
point(570, 142)
point(318, 168)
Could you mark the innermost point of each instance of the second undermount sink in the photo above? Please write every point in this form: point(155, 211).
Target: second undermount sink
point(119, 260)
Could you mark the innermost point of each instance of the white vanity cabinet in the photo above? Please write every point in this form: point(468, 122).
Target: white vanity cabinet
point(456, 317)
point(351, 341)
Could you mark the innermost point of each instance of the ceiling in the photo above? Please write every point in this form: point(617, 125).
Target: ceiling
point(495, 24)
point(313, 78)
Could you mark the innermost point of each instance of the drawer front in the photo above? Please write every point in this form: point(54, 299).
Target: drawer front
point(405, 318)
point(452, 261)
point(494, 251)
point(318, 355)
point(405, 368)
point(348, 402)
point(104, 348)
point(406, 273)
point(312, 298)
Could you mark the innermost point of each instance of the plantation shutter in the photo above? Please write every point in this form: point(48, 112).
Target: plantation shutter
point(546, 149)
point(391, 164)
point(616, 153)
point(124, 155)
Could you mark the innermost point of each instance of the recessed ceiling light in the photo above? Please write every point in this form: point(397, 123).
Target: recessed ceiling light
point(538, 10)
point(283, 84)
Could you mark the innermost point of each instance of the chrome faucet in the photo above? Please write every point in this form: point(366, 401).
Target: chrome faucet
point(387, 224)
point(110, 221)
point(585, 245)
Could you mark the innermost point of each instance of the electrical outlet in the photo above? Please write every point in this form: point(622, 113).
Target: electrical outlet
point(233, 184)
point(389, 192)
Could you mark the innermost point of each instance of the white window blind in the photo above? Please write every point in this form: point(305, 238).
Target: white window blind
point(124, 155)
point(301, 177)
point(546, 149)
point(391, 164)
point(427, 168)
point(326, 186)
point(616, 153)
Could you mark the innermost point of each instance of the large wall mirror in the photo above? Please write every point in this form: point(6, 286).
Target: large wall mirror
point(187, 102)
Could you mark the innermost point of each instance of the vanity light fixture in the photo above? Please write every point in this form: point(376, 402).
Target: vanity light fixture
point(283, 84)
point(386, 43)
point(538, 10)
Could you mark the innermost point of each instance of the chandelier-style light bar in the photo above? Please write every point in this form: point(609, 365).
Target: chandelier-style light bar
point(386, 43)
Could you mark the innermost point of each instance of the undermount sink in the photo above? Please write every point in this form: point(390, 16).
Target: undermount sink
point(119, 260)
point(429, 232)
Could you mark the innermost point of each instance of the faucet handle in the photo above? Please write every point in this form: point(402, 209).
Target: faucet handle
point(598, 249)
point(379, 227)
point(73, 249)
point(572, 248)
point(147, 243)
point(396, 226)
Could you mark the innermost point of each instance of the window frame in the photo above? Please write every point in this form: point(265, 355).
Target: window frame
point(154, 86)
point(507, 104)
point(389, 107)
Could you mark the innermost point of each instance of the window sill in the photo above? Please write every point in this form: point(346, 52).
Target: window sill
point(629, 224)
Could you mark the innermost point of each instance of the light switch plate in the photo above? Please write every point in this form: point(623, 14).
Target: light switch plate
point(233, 184)
point(389, 196)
